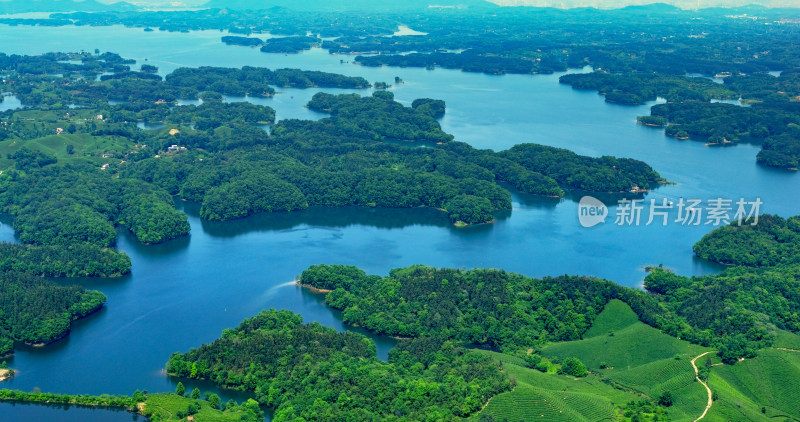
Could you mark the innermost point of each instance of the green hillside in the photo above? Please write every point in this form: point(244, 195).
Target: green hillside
point(638, 357)
point(640, 362)
point(769, 381)
point(549, 397)
point(622, 342)
point(640, 365)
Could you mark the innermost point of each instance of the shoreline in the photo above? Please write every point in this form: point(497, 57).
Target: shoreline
point(6, 374)
point(312, 288)
point(68, 331)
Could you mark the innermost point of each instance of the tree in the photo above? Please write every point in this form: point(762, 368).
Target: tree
point(70, 149)
point(574, 367)
point(665, 399)
point(180, 389)
point(196, 393)
point(213, 400)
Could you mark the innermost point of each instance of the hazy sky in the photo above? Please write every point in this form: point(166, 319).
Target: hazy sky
point(606, 4)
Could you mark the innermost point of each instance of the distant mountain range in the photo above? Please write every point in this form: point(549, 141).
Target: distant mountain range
point(27, 6)
point(336, 5)
point(616, 4)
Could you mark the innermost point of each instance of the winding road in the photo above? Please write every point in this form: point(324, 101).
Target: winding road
point(697, 376)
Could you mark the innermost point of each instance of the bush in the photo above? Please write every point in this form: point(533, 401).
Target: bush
point(573, 367)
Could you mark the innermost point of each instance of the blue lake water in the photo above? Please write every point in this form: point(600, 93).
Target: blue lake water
point(183, 293)
point(40, 412)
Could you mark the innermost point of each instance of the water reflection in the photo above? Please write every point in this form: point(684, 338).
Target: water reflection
point(383, 343)
point(165, 249)
point(382, 218)
point(63, 413)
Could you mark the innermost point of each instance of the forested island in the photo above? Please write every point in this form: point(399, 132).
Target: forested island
point(235, 169)
point(36, 311)
point(349, 159)
point(649, 54)
point(768, 113)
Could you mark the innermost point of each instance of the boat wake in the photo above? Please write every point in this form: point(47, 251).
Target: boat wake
point(272, 290)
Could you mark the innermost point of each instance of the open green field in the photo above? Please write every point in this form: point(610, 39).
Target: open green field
point(86, 148)
point(786, 340)
point(39, 129)
point(639, 357)
point(640, 361)
point(771, 381)
point(165, 406)
point(551, 397)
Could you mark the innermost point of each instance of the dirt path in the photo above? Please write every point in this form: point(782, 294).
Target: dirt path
point(697, 376)
point(787, 350)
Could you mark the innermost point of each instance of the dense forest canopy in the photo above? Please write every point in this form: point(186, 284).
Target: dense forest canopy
point(72, 204)
point(513, 312)
point(159, 407)
point(54, 80)
point(768, 113)
point(372, 151)
point(380, 114)
point(75, 260)
point(34, 310)
point(71, 177)
point(738, 310)
point(349, 159)
point(772, 241)
point(513, 40)
point(313, 372)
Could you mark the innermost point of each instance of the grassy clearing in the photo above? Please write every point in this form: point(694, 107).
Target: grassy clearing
point(165, 407)
point(86, 148)
point(37, 130)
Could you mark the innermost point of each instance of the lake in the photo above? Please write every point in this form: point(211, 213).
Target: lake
point(185, 292)
point(43, 412)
